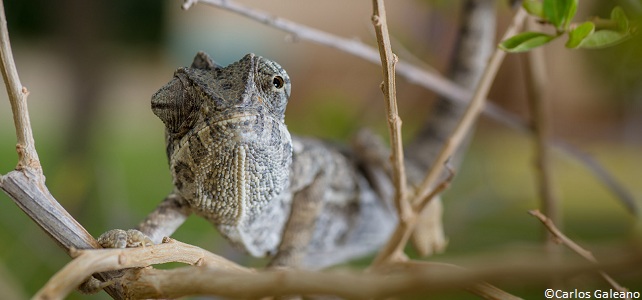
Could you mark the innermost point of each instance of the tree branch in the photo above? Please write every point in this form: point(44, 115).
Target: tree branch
point(87, 262)
point(535, 75)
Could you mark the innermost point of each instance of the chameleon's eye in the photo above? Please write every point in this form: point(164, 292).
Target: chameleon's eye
point(278, 82)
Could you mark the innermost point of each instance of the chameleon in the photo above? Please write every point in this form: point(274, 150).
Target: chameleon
point(233, 162)
point(303, 202)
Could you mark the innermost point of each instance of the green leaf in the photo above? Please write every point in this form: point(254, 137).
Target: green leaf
point(618, 15)
point(525, 41)
point(577, 35)
point(534, 8)
point(603, 38)
point(559, 12)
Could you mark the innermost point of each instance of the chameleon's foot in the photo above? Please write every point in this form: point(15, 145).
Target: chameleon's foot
point(93, 285)
point(118, 238)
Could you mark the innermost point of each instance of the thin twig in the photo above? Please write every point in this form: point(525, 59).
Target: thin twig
point(27, 155)
point(424, 78)
point(535, 76)
point(562, 238)
point(429, 80)
point(392, 250)
point(472, 111)
point(388, 62)
point(26, 185)
point(421, 205)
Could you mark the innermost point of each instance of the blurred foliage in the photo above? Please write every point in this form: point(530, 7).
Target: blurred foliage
point(594, 34)
point(621, 67)
point(30, 18)
point(131, 22)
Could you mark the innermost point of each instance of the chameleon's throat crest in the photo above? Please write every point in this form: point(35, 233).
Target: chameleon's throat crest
point(241, 178)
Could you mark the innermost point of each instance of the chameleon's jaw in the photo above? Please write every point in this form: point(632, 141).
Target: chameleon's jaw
point(240, 128)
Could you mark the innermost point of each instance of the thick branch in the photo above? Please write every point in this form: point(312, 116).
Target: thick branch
point(33, 197)
point(88, 262)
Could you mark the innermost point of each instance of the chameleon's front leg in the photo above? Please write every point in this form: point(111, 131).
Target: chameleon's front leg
point(163, 221)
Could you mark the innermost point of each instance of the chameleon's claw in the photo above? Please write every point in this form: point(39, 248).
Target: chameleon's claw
point(118, 238)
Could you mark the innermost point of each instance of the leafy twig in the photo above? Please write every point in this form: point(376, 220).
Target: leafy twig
point(535, 76)
point(421, 204)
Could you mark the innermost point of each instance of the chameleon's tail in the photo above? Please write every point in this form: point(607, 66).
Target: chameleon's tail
point(474, 46)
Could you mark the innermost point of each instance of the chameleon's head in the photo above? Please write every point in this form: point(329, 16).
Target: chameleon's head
point(252, 85)
point(228, 147)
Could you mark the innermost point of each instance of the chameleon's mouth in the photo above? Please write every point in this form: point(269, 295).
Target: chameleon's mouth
point(245, 119)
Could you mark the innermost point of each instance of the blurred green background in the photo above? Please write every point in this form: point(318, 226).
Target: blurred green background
point(92, 66)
